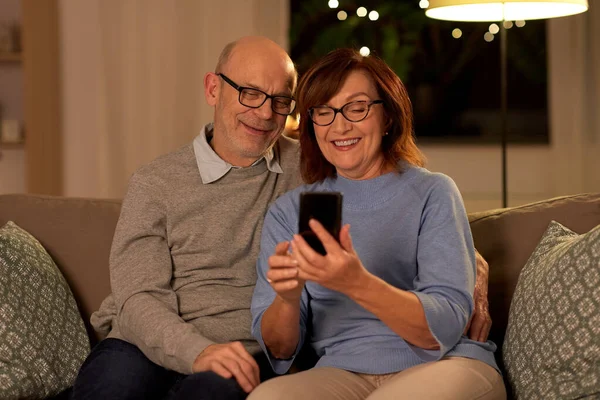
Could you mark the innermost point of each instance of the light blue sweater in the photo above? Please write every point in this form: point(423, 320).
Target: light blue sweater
point(411, 230)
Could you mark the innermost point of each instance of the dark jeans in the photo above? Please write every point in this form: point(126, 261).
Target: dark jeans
point(118, 370)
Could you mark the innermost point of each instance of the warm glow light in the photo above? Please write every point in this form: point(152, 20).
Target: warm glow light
point(456, 33)
point(520, 24)
point(292, 123)
point(373, 15)
point(509, 10)
point(424, 3)
point(342, 15)
point(364, 51)
point(361, 12)
point(508, 24)
point(488, 37)
point(494, 29)
point(333, 3)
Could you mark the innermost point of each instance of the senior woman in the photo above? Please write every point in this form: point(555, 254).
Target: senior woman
point(387, 306)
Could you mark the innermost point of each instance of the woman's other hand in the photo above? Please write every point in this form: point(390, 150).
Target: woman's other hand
point(340, 269)
point(283, 274)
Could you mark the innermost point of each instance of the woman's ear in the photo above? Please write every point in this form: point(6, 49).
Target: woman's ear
point(388, 124)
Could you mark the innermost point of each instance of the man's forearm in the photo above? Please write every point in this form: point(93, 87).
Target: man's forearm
point(161, 334)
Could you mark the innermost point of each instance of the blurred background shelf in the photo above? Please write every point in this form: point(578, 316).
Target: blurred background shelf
point(11, 57)
point(15, 145)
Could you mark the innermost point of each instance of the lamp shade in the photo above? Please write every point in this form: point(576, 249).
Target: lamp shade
point(507, 10)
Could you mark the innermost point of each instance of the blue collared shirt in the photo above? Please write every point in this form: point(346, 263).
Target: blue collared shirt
point(212, 167)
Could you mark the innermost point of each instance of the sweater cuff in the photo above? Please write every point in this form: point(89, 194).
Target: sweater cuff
point(441, 322)
point(188, 350)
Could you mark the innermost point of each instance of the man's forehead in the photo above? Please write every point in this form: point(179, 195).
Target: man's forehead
point(262, 66)
point(263, 79)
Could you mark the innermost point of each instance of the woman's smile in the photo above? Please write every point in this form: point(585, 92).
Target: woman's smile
point(345, 144)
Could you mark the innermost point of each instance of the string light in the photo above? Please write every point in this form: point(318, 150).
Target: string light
point(333, 3)
point(424, 3)
point(520, 24)
point(508, 24)
point(494, 29)
point(488, 37)
point(364, 51)
point(373, 15)
point(361, 12)
point(342, 15)
point(456, 33)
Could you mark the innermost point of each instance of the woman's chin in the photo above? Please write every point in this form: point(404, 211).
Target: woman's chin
point(350, 173)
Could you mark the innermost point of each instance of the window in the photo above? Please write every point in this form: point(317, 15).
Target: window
point(451, 69)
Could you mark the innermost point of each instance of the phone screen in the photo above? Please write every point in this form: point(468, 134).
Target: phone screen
point(325, 207)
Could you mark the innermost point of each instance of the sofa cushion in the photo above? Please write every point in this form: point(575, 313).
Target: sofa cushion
point(43, 340)
point(552, 344)
point(77, 233)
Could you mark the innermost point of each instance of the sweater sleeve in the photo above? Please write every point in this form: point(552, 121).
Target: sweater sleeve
point(140, 276)
point(446, 264)
point(277, 228)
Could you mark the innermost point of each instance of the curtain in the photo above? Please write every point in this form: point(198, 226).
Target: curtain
point(574, 100)
point(133, 79)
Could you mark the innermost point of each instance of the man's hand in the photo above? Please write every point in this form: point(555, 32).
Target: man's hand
point(480, 324)
point(230, 360)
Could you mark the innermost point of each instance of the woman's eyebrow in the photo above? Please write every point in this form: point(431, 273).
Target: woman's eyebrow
point(355, 95)
point(348, 99)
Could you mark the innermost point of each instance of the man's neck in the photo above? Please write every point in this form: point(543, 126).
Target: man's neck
point(232, 159)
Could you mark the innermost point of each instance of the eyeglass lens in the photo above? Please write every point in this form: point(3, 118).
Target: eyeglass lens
point(255, 98)
point(355, 111)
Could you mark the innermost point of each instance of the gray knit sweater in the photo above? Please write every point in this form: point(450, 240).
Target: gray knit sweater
point(183, 260)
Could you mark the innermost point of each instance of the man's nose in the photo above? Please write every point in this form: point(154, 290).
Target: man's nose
point(265, 111)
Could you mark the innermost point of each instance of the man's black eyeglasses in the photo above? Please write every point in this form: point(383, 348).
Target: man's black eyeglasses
point(355, 111)
point(254, 98)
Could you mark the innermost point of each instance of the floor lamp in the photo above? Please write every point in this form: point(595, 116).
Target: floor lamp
point(500, 11)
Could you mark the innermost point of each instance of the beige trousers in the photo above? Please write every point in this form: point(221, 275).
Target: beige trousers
point(452, 378)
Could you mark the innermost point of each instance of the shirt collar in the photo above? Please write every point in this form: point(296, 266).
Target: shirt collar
point(212, 167)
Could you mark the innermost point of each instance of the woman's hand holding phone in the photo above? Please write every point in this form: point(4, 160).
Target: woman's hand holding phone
point(283, 274)
point(340, 269)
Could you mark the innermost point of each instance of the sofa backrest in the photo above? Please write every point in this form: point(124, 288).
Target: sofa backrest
point(507, 237)
point(77, 233)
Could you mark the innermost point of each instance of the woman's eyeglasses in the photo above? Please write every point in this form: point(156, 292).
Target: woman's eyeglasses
point(354, 111)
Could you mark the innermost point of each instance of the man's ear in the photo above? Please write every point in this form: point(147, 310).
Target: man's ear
point(211, 88)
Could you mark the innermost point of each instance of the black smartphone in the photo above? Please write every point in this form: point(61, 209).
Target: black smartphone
point(325, 207)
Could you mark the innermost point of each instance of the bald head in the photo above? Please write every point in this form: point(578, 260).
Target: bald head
point(242, 133)
point(252, 50)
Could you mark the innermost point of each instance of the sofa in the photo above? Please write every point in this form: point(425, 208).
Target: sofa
point(77, 233)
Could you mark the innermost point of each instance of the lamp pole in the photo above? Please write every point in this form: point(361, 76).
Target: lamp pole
point(504, 108)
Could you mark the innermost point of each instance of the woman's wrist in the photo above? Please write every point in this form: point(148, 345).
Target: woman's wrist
point(287, 303)
point(280, 327)
point(363, 287)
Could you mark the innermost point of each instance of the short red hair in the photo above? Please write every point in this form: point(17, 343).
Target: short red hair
point(324, 79)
